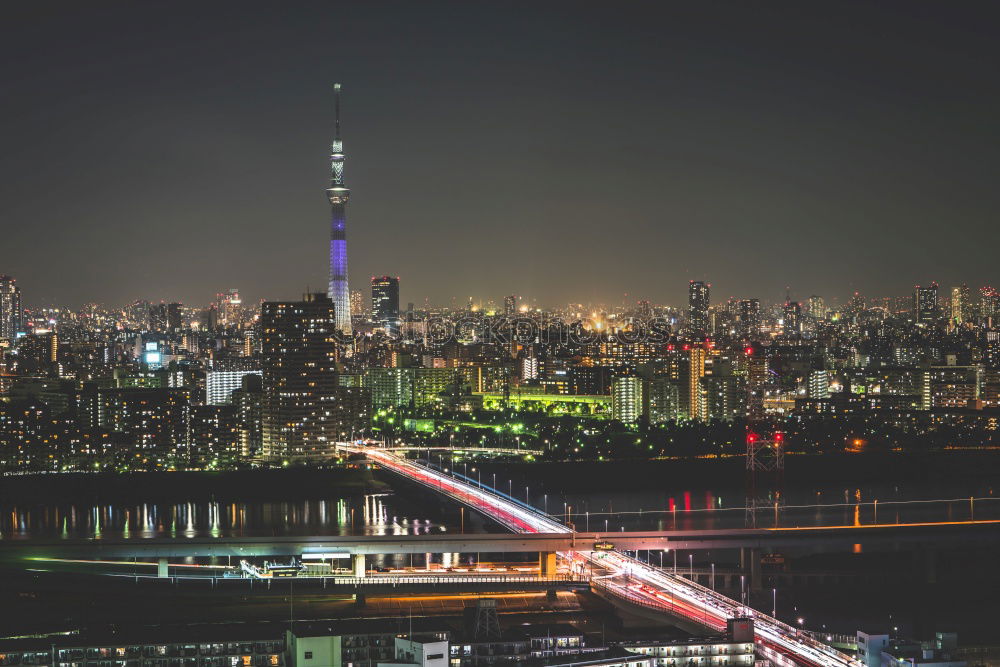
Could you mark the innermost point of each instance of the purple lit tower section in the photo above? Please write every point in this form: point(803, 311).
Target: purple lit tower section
point(338, 195)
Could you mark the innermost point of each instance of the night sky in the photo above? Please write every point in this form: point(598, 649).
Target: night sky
point(559, 151)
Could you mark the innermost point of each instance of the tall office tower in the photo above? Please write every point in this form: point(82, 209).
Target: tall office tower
point(749, 318)
point(792, 318)
point(961, 304)
point(11, 315)
point(158, 317)
point(989, 300)
point(925, 304)
point(698, 307)
point(299, 353)
point(509, 305)
point(174, 317)
point(229, 305)
point(817, 307)
point(385, 302)
point(338, 195)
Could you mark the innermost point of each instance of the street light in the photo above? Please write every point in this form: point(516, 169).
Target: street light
point(691, 566)
point(774, 603)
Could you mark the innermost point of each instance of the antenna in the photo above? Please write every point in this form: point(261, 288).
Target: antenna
point(336, 107)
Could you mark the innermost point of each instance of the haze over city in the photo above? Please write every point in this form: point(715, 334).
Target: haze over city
point(499, 334)
point(568, 152)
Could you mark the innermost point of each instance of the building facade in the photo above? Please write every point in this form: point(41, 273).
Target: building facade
point(299, 356)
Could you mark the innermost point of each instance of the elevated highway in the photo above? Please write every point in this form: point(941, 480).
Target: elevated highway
point(628, 578)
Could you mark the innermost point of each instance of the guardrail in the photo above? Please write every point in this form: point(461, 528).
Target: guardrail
point(364, 581)
point(494, 579)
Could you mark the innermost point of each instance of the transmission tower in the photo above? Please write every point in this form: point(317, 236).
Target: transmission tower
point(765, 446)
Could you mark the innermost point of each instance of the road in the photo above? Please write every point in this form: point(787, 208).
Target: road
point(627, 578)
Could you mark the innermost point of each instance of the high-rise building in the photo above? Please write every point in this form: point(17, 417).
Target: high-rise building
point(664, 399)
point(989, 300)
point(698, 307)
point(249, 399)
point(225, 376)
point(749, 318)
point(855, 305)
point(338, 194)
point(357, 302)
point(215, 436)
point(509, 305)
point(10, 307)
point(925, 304)
point(792, 319)
point(696, 371)
point(300, 378)
point(819, 384)
point(961, 305)
point(529, 368)
point(230, 308)
point(174, 317)
point(627, 398)
point(817, 307)
point(385, 302)
point(757, 378)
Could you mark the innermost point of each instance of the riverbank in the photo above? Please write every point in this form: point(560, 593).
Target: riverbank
point(143, 487)
point(974, 472)
point(979, 471)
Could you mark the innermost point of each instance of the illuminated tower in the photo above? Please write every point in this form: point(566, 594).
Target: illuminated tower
point(338, 195)
point(698, 308)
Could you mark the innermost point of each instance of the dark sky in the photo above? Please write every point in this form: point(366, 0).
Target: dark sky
point(560, 151)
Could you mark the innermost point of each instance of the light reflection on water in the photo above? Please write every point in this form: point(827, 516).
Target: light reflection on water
point(374, 514)
point(706, 510)
point(393, 514)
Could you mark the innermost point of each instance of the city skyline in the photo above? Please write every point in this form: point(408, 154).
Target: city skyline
point(717, 173)
point(668, 335)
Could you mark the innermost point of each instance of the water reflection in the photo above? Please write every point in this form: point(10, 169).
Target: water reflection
point(706, 510)
point(375, 514)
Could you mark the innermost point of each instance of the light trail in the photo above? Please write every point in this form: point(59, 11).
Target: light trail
point(643, 584)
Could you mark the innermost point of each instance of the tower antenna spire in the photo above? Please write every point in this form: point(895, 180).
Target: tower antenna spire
point(336, 107)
